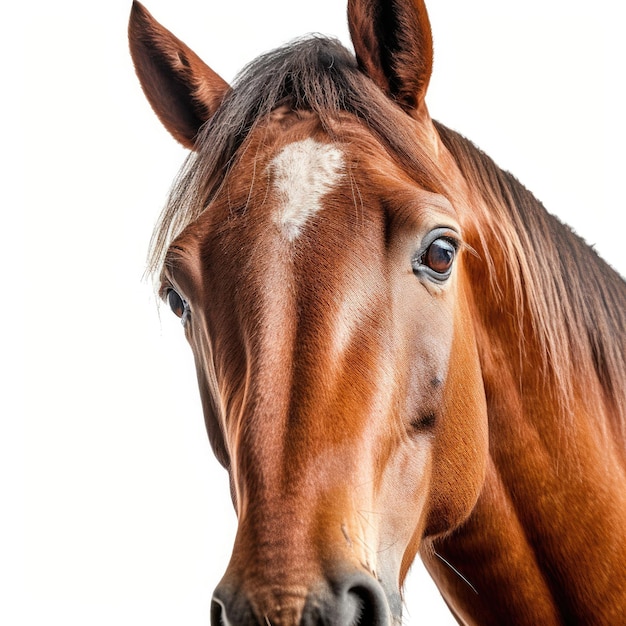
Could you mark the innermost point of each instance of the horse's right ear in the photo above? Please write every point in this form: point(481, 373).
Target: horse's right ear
point(183, 91)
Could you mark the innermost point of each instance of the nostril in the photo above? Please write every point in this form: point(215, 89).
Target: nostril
point(217, 614)
point(231, 608)
point(363, 609)
point(369, 602)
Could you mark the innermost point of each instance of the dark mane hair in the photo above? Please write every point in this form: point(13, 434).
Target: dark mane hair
point(576, 301)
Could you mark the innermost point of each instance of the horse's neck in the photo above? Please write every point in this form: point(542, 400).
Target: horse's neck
point(546, 543)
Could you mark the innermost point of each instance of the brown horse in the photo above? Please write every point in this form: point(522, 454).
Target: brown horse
point(398, 349)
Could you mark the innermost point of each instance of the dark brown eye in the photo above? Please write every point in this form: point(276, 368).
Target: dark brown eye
point(439, 256)
point(177, 304)
point(436, 259)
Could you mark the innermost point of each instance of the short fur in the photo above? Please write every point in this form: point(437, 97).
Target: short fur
point(366, 405)
point(577, 303)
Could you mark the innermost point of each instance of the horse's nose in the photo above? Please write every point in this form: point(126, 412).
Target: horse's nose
point(357, 599)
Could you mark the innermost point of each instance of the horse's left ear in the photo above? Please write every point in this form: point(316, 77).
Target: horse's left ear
point(183, 91)
point(394, 47)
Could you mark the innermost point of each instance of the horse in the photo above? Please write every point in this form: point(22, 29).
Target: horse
point(399, 351)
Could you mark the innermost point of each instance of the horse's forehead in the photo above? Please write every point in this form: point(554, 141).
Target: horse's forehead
point(302, 173)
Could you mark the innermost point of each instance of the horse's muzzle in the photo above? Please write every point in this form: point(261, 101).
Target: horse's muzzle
point(356, 599)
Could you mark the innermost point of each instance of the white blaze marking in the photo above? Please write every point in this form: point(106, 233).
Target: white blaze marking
point(303, 172)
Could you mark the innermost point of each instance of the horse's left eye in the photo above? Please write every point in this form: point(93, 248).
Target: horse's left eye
point(437, 259)
point(439, 256)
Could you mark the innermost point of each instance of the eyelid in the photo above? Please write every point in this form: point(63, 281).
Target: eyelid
point(169, 269)
point(441, 232)
point(164, 289)
point(186, 314)
point(174, 271)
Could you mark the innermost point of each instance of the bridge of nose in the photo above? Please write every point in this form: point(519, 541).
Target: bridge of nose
point(304, 458)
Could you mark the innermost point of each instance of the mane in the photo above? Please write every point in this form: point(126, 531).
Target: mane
point(575, 300)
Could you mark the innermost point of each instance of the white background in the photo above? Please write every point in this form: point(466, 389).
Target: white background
point(113, 510)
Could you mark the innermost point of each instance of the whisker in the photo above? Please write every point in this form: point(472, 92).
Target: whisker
point(456, 571)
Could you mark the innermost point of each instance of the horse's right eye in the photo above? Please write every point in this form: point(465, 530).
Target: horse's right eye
point(176, 302)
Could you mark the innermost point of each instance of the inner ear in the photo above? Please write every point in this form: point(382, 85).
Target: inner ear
point(393, 44)
point(183, 91)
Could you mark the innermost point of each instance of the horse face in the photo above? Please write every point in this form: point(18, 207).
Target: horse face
point(323, 295)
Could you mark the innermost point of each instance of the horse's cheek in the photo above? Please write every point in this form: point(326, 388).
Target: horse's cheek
point(461, 444)
point(405, 494)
